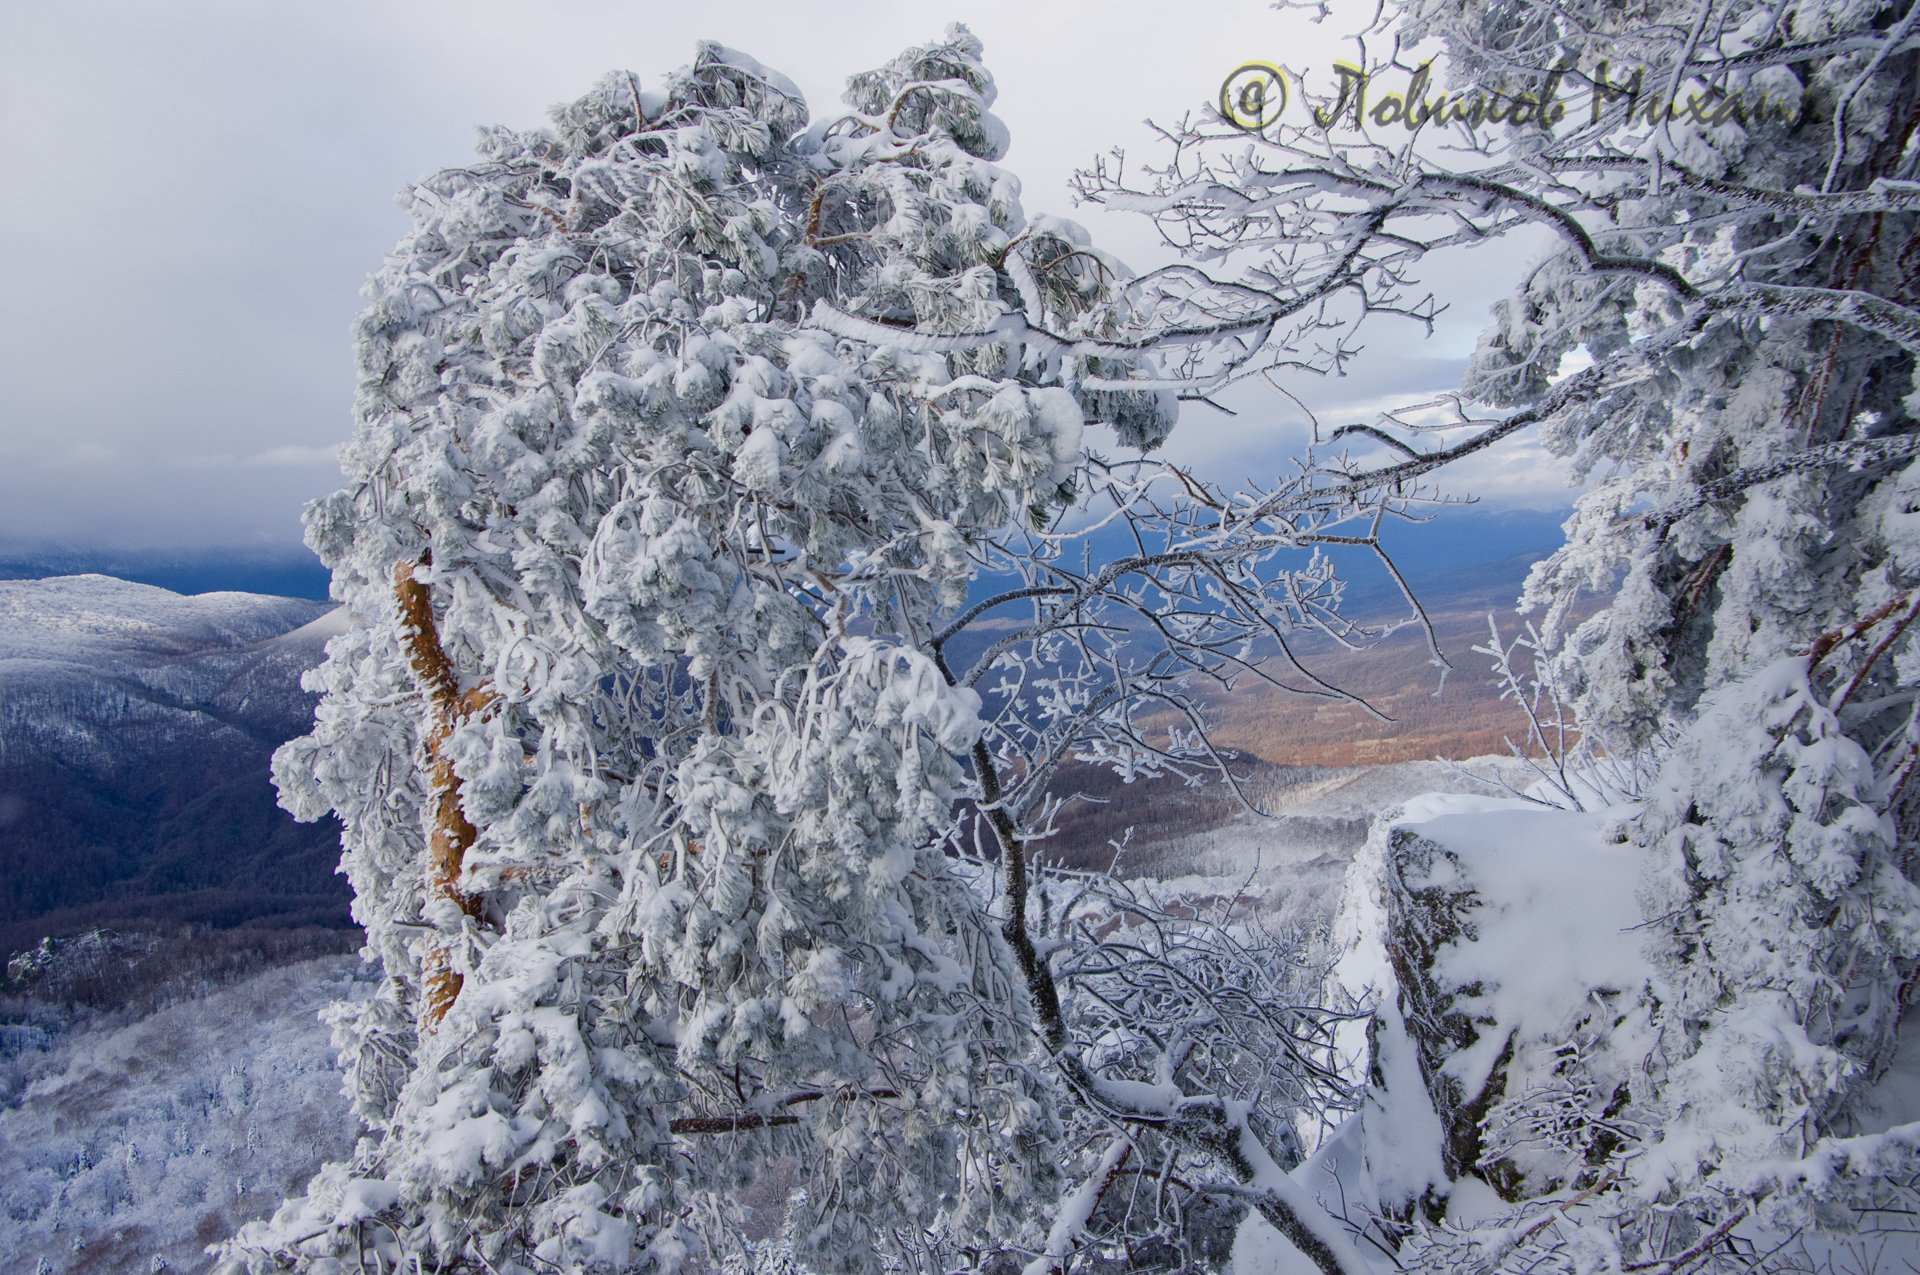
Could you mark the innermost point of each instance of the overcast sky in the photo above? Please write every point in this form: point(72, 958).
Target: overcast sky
point(198, 189)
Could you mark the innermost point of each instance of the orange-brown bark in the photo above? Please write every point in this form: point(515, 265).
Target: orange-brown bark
point(452, 833)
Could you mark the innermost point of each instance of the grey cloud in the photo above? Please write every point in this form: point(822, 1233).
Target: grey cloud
point(200, 189)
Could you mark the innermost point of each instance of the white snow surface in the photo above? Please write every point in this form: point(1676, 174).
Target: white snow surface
point(1558, 912)
point(92, 667)
point(95, 620)
point(1536, 956)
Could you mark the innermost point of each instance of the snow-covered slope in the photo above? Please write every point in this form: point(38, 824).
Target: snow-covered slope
point(80, 618)
point(151, 1139)
point(135, 731)
point(87, 661)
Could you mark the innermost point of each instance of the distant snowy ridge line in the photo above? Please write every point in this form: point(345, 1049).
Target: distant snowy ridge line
point(83, 617)
point(84, 655)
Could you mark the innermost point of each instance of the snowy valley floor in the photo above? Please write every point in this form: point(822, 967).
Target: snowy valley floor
point(136, 1144)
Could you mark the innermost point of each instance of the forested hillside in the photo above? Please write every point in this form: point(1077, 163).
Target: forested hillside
point(135, 731)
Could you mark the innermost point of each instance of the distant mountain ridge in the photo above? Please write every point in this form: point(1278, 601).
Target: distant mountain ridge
point(135, 731)
point(291, 572)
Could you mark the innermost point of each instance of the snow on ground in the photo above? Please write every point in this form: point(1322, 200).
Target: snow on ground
point(149, 1140)
point(1557, 914)
point(1553, 923)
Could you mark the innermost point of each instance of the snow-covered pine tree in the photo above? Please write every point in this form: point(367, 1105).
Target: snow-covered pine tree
point(693, 849)
point(1722, 339)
